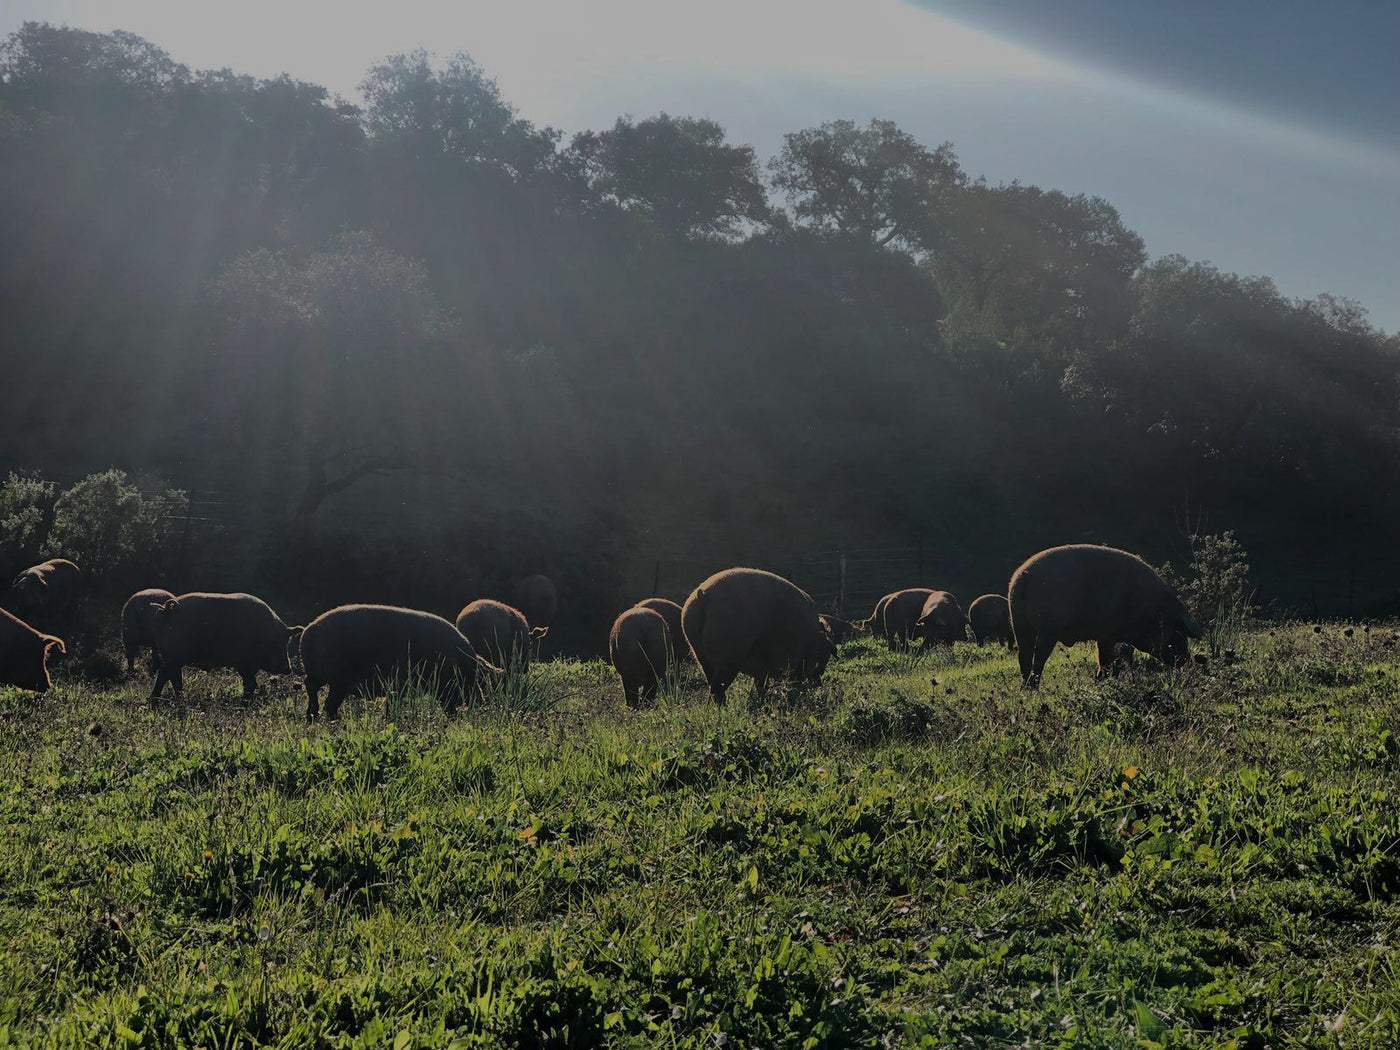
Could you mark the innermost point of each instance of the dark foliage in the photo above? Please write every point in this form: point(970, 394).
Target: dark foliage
point(424, 319)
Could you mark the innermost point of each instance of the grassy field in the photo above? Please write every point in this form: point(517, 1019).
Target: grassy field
point(917, 853)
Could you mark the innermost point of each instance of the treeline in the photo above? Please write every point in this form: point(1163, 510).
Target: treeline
point(428, 317)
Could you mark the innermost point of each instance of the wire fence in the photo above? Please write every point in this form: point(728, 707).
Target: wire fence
point(849, 581)
point(220, 537)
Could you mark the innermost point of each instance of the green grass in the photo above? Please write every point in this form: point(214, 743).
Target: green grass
point(915, 853)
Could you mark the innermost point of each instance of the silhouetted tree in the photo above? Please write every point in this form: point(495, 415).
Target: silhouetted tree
point(620, 336)
point(876, 182)
point(678, 172)
point(1040, 272)
point(456, 111)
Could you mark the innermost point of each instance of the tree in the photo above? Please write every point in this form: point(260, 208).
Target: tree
point(1224, 379)
point(1041, 272)
point(342, 360)
point(344, 334)
point(45, 67)
point(676, 171)
point(320, 487)
point(875, 182)
point(456, 112)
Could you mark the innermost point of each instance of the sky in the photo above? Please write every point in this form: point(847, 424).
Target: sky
point(1260, 135)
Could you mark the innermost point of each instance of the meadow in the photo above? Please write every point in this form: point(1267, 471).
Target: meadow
point(915, 853)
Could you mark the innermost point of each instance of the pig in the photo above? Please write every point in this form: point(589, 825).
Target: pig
point(874, 624)
point(352, 647)
point(671, 613)
point(1087, 593)
point(214, 631)
point(941, 620)
point(639, 647)
point(990, 617)
point(139, 624)
point(675, 632)
point(537, 598)
point(499, 632)
point(899, 617)
point(837, 629)
point(23, 654)
point(48, 593)
point(754, 622)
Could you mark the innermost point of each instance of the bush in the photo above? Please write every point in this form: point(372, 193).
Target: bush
point(26, 504)
point(1216, 588)
point(110, 527)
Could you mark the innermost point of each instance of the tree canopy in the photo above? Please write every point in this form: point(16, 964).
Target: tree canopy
point(678, 173)
point(580, 354)
point(876, 182)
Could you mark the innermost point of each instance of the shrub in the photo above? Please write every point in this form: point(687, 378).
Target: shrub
point(1216, 586)
point(109, 526)
point(26, 504)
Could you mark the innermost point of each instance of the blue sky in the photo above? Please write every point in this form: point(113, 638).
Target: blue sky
point(1260, 136)
point(1332, 65)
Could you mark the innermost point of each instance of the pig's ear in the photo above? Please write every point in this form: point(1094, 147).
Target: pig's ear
point(50, 641)
point(538, 632)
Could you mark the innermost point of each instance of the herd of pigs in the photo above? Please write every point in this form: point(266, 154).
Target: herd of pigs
point(739, 621)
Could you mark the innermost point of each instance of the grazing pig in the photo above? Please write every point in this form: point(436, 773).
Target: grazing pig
point(899, 617)
point(356, 646)
point(990, 617)
point(499, 632)
point(671, 613)
point(639, 647)
point(537, 598)
point(941, 621)
point(23, 652)
point(48, 593)
point(1086, 593)
point(875, 622)
point(752, 622)
point(216, 631)
point(139, 624)
point(837, 629)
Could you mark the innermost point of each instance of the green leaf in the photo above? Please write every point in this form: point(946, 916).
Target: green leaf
point(1149, 1025)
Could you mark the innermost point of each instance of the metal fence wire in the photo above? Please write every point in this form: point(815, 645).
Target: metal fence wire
point(221, 536)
